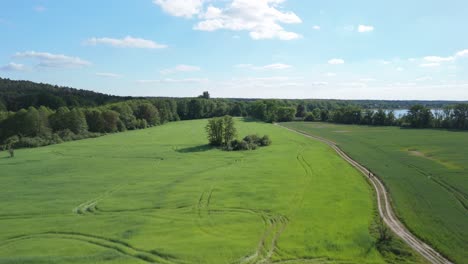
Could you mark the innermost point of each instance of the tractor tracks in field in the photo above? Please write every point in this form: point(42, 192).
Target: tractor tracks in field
point(274, 225)
point(383, 203)
point(112, 244)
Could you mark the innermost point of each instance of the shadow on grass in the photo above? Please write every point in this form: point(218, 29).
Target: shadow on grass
point(250, 119)
point(201, 148)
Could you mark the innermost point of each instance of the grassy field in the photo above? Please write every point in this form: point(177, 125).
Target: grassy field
point(426, 172)
point(161, 195)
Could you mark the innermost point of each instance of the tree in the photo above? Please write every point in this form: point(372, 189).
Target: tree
point(316, 113)
point(379, 118)
point(111, 121)
point(324, 115)
point(237, 109)
point(126, 115)
point(215, 130)
point(460, 116)
point(310, 117)
point(205, 95)
point(221, 130)
point(10, 143)
point(229, 130)
point(286, 114)
point(419, 116)
point(258, 110)
point(75, 121)
point(195, 109)
point(368, 118)
point(148, 112)
point(95, 120)
point(301, 111)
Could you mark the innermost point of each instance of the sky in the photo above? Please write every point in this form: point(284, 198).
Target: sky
point(329, 49)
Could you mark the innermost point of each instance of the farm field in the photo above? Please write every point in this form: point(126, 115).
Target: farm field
point(161, 195)
point(425, 171)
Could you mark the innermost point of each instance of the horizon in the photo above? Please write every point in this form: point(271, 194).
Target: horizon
point(247, 98)
point(240, 49)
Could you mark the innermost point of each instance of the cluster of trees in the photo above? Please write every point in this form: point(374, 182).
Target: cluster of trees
point(222, 132)
point(271, 111)
point(16, 95)
point(33, 127)
point(33, 114)
point(418, 116)
point(449, 117)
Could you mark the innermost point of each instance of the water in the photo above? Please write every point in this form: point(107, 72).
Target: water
point(401, 112)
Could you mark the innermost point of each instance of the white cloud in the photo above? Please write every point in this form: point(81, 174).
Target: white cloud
point(316, 27)
point(274, 66)
point(108, 75)
point(384, 62)
point(188, 80)
point(364, 28)
point(336, 61)
point(181, 8)
point(330, 74)
point(400, 69)
point(127, 42)
point(367, 80)
point(181, 68)
point(319, 83)
point(429, 65)
point(261, 18)
point(463, 53)
point(13, 67)
point(50, 60)
point(424, 78)
point(437, 59)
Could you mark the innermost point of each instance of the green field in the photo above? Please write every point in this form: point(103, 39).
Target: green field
point(161, 195)
point(426, 173)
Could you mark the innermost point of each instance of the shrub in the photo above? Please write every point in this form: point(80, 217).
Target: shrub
point(250, 142)
point(32, 142)
point(309, 117)
point(252, 139)
point(265, 141)
point(66, 135)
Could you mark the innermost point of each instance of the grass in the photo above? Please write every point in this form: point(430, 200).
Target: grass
point(425, 171)
point(161, 195)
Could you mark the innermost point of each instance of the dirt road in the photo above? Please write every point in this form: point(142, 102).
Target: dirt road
point(384, 206)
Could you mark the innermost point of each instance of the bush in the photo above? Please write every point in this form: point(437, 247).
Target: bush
point(265, 141)
point(252, 139)
point(250, 142)
point(66, 135)
point(32, 142)
point(309, 117)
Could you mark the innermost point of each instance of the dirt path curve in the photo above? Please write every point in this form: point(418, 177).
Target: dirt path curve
point(384, 206)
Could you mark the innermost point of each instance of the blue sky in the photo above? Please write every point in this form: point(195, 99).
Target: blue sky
point(241, 48)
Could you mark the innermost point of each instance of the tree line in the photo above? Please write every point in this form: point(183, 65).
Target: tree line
point(33, 127)
point(418, 116)
point(34, 114)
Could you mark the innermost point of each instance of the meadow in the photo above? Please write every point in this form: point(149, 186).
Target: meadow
point(161, 195)
point(425, 171)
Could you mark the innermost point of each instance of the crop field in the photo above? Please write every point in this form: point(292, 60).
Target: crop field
point(425, 171)
point(161, 195)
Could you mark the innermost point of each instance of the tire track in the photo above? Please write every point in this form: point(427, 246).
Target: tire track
point(384, 206)
point(116, 245)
